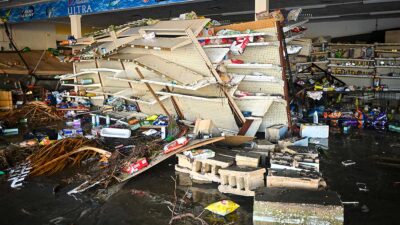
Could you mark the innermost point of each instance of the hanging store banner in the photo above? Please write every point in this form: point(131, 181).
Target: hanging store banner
point(64, 8)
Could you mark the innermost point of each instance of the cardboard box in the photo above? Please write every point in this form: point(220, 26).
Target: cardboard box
point(275, 133)
point(314, 131)
point(6, 100)
point(392, 36)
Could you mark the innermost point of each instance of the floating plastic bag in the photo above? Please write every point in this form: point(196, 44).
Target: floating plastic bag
point(223, 207)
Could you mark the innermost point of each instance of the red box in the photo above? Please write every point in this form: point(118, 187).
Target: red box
point(134, 167)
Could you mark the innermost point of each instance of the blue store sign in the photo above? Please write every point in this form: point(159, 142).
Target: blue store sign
point(63, 8)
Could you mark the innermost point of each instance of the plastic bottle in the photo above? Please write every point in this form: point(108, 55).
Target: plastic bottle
point(94, 119)
point(97, 120)
point(107, 120)
point(315, 117)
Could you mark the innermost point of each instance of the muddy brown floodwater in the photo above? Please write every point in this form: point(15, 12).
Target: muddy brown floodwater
point(144, 199)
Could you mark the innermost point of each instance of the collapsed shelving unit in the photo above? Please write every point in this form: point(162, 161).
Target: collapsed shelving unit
point(165, 70)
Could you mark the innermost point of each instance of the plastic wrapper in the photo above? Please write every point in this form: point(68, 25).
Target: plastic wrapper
point(223, 207)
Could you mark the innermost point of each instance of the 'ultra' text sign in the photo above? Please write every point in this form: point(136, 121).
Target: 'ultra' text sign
point(79, 7)
point(63, 8)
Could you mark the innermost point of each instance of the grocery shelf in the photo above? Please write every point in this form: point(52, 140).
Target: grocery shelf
point(353, 76)
point(387, 77)
point(350, 59)
point(394, 67)
point(360, 67)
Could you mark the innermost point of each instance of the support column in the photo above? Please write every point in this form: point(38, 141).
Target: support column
point(76, 29)
point(260, 6)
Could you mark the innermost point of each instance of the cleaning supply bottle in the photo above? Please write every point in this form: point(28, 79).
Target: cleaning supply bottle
point(97, 120)
point(315, 117)
point(94, 120)
point(108, 120)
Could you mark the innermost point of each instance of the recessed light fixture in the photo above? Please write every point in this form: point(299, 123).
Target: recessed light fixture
point(378, 1)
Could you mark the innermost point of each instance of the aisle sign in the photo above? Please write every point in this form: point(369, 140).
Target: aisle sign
point(64, 8)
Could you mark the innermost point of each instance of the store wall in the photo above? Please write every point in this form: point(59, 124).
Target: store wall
point(350, 27)
point(36, 36)
point(64, 30)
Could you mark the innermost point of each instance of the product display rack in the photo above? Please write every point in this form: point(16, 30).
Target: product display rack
point(187, 76)
point(362, 65)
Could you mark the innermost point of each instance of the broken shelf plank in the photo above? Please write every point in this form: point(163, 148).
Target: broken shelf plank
point(236, 140)
point(176, 27)
point(252, 66)
point(169, 69)
point(153, 93)
point(82, 85)
point(72, 76)
point(293, 25)
point(192, 145)
point(235, 36)
point(160, 43)
point(213, 99)
point(127, 57)
point(272, 43)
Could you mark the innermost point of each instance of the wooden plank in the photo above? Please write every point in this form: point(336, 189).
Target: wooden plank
point(216, 55)
point(127, 57)
point(176, 106)
point(153, 93)
point(247, 124)
point(236, 140)
point(176, 27)
point(170, 69)
point(192, 145)
point(160, 43)
point(284, 78)
point(236, 111)
point(255, 25)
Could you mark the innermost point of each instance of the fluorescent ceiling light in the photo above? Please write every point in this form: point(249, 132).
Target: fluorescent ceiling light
point(378, 1)
point(325, 17)
point(384, 12)
point(237, 13)
point(231, 13)
point(320, 6)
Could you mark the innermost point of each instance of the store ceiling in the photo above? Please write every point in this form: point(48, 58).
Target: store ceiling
point(242, 10)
